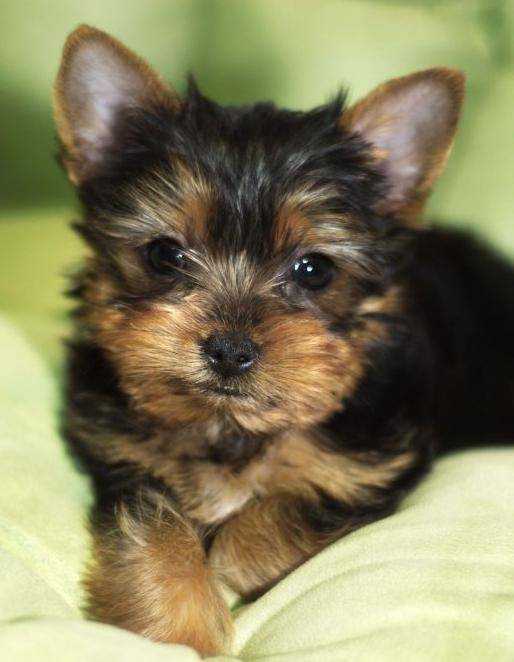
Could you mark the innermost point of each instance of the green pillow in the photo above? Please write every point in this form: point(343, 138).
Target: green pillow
point(435, 581)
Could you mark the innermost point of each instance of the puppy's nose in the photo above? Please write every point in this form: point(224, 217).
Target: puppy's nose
point(229, 355)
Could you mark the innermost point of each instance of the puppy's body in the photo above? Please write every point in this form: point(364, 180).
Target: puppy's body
point(270, 347)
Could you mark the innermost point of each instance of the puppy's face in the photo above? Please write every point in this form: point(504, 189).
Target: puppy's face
point(240, 255)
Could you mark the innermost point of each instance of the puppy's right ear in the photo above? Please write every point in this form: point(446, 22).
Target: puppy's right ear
point(99, 82)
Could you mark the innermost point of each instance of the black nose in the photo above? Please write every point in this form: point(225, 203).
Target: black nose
point(229, 355)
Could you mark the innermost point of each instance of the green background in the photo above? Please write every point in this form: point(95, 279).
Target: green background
point(296, 52)
point(433, 582)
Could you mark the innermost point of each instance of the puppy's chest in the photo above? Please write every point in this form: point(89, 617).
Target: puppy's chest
point(212, 491)
point(295, 464)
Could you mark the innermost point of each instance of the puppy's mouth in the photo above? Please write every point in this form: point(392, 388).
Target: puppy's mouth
point(181, 387)
point(227, 391)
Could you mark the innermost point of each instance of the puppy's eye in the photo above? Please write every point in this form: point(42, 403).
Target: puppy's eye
point(165, 256)
point(313, 271)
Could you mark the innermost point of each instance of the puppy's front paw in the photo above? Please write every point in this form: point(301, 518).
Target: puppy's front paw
point(185, 609)
point(151, 577)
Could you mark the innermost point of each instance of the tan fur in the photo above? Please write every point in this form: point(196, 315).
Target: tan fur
point(178, 207)
point(301, 465)
point(295, 383)
point(257, 504)
point(294, 463)
point(302, 220)
point(304, 374)
point(391, 302)
point(268, 538)
point(295, 219)
point(150, 576)
point(261, 544)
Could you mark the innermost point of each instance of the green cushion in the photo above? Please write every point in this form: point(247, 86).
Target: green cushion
point(435, 581)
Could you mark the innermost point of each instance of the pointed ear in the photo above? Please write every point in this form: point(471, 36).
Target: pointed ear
point(99, 78)
point(410, 123)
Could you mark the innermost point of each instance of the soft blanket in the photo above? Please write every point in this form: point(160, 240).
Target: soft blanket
point(433, 582)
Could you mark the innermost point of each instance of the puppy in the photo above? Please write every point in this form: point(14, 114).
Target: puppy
point(269, 344)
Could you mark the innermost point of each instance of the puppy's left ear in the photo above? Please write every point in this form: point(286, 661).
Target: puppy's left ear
point(99, 85)
point(410, 125)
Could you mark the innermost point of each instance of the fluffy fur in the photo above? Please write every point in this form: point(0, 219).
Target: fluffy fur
point(406, 351)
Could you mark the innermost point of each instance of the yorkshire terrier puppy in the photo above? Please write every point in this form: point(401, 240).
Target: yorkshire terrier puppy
point(270, 345)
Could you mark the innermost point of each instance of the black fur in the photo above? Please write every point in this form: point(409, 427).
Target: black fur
point(253, 154)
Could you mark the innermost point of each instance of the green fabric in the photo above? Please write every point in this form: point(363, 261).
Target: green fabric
point(433, 582)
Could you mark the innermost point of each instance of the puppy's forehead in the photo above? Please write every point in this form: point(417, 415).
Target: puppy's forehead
point(242, 216)
point(255, 180)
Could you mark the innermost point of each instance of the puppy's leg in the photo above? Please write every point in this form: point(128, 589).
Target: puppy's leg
point(150, 575)
point(314, 496)
point(270, 538)
point(264, 542)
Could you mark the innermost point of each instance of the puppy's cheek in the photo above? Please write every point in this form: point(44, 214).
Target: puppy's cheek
point(157, 357)
point(305, 376)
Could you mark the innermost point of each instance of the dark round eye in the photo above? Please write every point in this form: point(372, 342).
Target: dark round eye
point(165, 256)
point(313, 271)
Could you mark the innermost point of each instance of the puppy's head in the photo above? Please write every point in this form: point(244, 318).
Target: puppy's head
point(240, 253)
